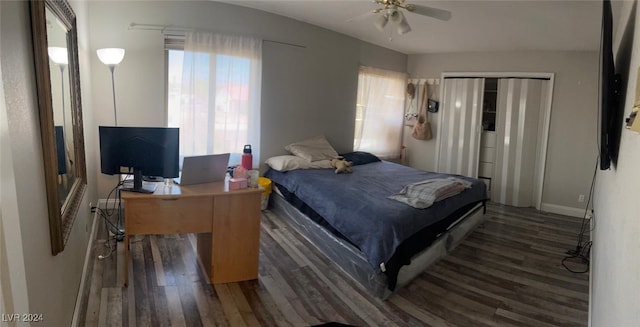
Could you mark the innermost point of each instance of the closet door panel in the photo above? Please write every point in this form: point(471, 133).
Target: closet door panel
point(461, 126)
point(519, 107)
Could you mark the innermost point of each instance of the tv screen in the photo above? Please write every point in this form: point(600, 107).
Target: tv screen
point(149, 151)
point(609, 92)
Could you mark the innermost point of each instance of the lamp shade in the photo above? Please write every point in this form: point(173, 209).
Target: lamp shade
point(110, 56)
point(58, 55)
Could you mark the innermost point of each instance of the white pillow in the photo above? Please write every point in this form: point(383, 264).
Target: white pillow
point(289, 162)
point(313, 149)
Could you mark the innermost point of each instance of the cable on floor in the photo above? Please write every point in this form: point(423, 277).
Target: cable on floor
point(582, 253)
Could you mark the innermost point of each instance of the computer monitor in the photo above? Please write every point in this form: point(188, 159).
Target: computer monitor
point(150, 151)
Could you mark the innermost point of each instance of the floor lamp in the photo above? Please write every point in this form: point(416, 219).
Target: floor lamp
point(59, 56)
point(112, 57)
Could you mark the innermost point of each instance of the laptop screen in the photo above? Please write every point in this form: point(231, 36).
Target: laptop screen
point(203, 169)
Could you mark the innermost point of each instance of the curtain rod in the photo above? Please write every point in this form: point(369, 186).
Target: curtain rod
point(501, 77)
point(179, 31)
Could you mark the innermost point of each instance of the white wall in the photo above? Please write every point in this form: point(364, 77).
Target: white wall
point(47, 284)
point(305, 91)
point(616, 245)
point(572, 149)
point(12, 281)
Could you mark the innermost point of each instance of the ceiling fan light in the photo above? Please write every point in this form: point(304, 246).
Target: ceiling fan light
point(381, 22)
point(396, 17)
point(403, 27)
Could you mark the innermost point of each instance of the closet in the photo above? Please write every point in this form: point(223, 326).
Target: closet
point(495, 129)
point(488, 136)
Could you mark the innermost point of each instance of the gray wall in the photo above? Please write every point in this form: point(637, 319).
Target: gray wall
point(571, 153)
point(616, 245)
point(41, 283)
point(305, 91)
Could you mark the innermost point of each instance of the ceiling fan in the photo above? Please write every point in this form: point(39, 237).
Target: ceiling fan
point(392, 11)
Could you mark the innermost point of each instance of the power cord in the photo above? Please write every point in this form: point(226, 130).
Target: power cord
point(582, 251)
point(110, 226)
point(117, 209)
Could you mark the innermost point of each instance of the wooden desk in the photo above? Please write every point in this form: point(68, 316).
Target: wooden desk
point(227, 223)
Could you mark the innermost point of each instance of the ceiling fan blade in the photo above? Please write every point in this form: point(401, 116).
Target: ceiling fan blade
point(436, 13)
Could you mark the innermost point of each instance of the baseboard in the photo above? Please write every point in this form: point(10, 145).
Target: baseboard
point(110, 203)
point(562, 210)
point(86, 273)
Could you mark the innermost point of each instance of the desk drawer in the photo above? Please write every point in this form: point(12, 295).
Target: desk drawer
point(169, 215)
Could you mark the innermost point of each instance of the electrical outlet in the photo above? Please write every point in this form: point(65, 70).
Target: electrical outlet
point(581, 198)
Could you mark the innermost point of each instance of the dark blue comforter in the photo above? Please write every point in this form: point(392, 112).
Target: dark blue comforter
point(357, 204)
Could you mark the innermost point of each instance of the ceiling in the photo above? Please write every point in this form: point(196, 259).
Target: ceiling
point(476, 25)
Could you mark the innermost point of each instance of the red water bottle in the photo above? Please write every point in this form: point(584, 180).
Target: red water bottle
point(247, 158)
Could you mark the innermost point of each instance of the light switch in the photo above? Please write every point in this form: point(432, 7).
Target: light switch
point(633, 121)
point(636, 102)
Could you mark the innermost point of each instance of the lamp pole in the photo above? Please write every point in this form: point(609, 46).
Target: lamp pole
point(113, 88)
point(64, 114)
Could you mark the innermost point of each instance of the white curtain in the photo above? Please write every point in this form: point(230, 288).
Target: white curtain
point(219, 96)
point(379, 112)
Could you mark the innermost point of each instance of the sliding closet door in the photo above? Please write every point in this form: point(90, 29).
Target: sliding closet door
point(460, 126)
point(517, 128)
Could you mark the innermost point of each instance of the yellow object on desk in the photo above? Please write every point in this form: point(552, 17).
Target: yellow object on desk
point(265, 185)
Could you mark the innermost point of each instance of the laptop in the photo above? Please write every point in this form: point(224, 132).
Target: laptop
point(203, 169)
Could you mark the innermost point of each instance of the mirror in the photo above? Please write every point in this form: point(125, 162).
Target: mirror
point(58, 83)
point(60, 96)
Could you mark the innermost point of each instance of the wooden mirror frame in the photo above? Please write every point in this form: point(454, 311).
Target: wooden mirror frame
point(61, 216)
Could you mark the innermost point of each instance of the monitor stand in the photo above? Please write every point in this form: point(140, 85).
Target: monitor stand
point(138, 186)
point(152, 178)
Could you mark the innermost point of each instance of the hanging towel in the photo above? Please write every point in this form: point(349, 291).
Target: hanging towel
point(423, 194)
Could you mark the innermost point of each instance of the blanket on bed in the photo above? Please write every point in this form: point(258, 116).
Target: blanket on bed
point(358, 204)
point(423, 194)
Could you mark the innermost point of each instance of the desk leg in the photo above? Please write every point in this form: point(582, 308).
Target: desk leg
point(126, 259)
point(235, 236)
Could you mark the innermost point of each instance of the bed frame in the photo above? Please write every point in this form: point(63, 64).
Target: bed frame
point(354, 263)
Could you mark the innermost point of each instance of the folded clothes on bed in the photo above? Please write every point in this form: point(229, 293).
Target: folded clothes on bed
point(423, 194)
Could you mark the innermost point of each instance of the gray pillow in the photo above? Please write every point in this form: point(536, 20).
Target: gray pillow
point(313, 149)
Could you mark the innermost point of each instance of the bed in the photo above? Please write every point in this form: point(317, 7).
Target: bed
point(380, 242)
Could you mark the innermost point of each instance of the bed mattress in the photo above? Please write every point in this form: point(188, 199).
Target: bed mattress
point(356, 208)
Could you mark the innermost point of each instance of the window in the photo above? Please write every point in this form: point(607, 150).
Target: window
point(213, 94)
point(379, 112)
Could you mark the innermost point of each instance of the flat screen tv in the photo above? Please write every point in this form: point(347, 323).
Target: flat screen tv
point(149, 151)
point(610, 88)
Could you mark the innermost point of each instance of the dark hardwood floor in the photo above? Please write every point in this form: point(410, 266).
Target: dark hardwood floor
point(508, 272)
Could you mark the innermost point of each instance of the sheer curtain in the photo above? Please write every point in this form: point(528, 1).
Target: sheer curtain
point(379, 112)
point(218, 109)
